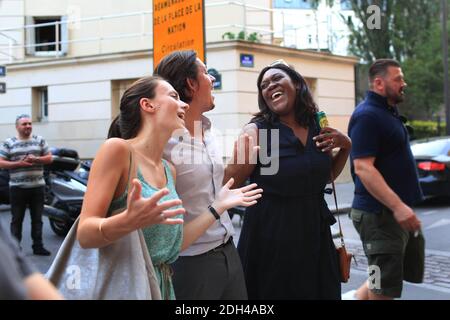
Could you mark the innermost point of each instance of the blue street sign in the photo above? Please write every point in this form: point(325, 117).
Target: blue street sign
point(247, 60)
point(2, 71)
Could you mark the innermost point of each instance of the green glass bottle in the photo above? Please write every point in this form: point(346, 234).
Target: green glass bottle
point(321, 119)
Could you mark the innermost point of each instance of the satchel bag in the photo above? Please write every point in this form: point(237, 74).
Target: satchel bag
point(344, 257)
point(121, 270)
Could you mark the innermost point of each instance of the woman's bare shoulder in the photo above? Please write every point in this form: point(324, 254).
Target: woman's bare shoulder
point(114, 151)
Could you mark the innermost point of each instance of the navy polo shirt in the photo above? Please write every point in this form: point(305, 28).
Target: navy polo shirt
point(377, 131)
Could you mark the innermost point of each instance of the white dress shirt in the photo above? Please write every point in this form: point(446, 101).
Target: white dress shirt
point(200, 170)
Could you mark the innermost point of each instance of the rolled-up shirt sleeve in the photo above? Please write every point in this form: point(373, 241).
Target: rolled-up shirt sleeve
point(366, 136)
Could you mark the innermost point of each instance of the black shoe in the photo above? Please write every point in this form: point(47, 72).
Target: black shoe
point(41, 251)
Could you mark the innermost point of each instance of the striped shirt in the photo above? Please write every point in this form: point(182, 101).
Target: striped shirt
point(14, 149)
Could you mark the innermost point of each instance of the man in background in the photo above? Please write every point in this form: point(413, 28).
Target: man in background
point(24, 155)
point(386, 186)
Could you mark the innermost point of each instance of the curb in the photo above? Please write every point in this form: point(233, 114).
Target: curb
point(344, 208)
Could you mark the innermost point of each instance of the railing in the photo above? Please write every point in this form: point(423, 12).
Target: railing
point(15, 46)
point(14, 50)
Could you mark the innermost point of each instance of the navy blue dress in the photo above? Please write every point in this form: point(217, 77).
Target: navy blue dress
point(286, 247)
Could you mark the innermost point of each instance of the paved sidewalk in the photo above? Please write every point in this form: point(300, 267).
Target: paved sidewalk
point(436, 284)
point(437, 266)
point(344, 195)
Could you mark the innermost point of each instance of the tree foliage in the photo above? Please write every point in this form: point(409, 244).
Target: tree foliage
point(424, 74)
point(410, 32)
point(403, 27)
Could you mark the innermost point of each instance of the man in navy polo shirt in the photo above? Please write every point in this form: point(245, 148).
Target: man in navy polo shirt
point(386, 186)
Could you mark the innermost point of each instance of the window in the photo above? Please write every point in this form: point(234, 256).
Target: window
point(118, 88)
point(431, 148)
point(292, 4)
point(40, 104)
point(346, 5)
point(46, 36)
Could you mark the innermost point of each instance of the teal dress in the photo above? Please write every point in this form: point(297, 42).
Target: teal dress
point(163, 241)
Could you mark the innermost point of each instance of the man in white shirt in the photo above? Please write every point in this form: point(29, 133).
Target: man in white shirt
point(210, 268)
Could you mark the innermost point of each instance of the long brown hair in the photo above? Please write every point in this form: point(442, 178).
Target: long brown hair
point(128, 123)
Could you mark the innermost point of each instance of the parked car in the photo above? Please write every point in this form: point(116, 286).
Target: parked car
point(433, 164)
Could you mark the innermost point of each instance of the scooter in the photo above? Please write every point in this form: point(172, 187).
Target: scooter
point(65, 186)
point(66, 180)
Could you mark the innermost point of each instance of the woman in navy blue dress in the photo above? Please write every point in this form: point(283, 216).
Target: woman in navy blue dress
point(285, 245)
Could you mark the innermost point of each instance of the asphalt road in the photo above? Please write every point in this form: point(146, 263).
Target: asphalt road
point(434, 214)
point(51, 241)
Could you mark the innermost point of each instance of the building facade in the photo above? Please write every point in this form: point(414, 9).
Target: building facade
point(72, 86)
point(299, 25)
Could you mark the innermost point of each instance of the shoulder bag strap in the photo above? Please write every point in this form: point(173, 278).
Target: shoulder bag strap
point(341, 234)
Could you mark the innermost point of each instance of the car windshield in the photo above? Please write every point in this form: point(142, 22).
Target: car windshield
point(431, 148)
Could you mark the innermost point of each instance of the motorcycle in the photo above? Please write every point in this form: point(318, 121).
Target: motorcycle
point(65, 186)
point(66, 180)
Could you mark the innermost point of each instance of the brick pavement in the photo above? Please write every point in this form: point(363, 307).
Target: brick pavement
point(437, 264)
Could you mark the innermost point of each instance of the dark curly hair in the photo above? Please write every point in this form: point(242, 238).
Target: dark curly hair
point(305, 107)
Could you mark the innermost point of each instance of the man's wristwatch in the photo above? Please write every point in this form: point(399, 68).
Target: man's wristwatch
point(214, 212)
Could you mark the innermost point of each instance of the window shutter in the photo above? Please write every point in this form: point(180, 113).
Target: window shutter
point(64, 46)
point(30, 37)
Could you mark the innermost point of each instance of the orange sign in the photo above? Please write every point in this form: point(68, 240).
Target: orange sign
point(178, 25)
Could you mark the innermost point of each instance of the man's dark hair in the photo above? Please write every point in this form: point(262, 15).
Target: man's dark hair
point(176, 68)
point(379, 68)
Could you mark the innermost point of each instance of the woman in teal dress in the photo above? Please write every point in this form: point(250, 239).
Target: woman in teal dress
point(131, 188)
point(163, 241)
